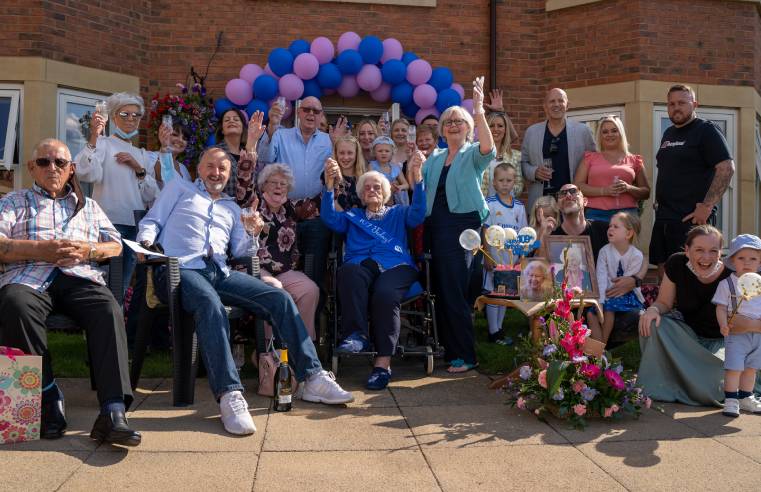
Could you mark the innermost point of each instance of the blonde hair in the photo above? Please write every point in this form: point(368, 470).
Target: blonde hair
point(630, 222)
point(503, 150)
point(359, 160)
point(464, 114)
point(364, 122)
point(624, 146)
point(544, 202)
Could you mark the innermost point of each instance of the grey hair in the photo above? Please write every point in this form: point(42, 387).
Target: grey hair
point(385, 185)
point(464, 113)
point(275, 168)
point(49, 142)
point(121, 99)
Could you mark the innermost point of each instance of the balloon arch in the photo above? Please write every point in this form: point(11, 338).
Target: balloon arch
point(380, 68)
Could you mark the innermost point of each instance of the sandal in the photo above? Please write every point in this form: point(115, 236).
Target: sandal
point(458, 366)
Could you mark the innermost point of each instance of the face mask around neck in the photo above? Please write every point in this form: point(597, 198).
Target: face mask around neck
point(122, 134)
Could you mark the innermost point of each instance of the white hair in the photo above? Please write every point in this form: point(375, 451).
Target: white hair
point(116, 101)
point(464, 114)
point(385, 185)
point(275, 168)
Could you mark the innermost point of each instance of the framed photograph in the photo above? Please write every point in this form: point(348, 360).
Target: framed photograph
point(536, 279)
point(572, 259)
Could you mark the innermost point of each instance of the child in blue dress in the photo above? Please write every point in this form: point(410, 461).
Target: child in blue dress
point(383, 148)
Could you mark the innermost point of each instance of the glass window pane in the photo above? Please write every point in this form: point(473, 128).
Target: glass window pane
point(5, 112)
point(73, 137)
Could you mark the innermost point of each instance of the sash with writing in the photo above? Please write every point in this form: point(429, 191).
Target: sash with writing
point(375, 231)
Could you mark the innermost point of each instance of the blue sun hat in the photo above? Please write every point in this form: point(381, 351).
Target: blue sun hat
point(742, 241)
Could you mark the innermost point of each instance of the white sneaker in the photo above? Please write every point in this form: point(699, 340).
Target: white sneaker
point(322, 388)
point(731, 407)
point(750, 404)
point(235, 416)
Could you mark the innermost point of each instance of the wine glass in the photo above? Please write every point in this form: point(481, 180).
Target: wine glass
point(548, 164)
point(102, 109)
point(248, 217)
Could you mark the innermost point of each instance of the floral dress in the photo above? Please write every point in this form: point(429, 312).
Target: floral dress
point(278, 252)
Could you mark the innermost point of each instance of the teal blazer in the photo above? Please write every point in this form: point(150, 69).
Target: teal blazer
point(463, 181)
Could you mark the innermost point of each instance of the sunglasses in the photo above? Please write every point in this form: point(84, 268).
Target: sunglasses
point(133, 115)
point(568, 192)
point(554, 145)
point(454, 122)
point(311, 110)
point(45, 162)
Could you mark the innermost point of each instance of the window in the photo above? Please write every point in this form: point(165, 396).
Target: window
point(10, 98)
point(72, 106)
point(758, 178)
point(592, 116)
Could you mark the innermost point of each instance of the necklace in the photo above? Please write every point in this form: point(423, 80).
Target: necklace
point(710, 274)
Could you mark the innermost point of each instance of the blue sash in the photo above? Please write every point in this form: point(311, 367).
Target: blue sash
point(376, 231)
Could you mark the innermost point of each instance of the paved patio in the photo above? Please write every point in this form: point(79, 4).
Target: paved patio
point(423, 433)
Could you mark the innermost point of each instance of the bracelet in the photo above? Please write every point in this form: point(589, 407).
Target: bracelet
point(656, 309)
point(90, 146)
point(479, 112)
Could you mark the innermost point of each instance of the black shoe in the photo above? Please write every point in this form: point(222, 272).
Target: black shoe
point(114, 429)
point(53, 421)
point(495, 337)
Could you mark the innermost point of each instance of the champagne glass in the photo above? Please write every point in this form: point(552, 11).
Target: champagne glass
point(281, 103)
point(248, 216)
point(548, 164)
point(411, 134)
point(102, 109)
point(386, 130)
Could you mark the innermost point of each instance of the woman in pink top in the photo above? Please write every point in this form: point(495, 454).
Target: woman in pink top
point(613, 180)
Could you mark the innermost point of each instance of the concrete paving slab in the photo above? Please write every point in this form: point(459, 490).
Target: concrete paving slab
point(748, 446)
point(127, 470)
point(22, 470)
point(459, 426)
point(77, 391)
point(441, 389)
point(314, 427)
point(161, 398)
point(546, 467)
point(688, 464)
point(344, 471)
point(710, 422)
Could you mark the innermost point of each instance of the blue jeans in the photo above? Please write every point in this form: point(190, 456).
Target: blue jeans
point(205, 292)
point(605, 215)
point(129, 260)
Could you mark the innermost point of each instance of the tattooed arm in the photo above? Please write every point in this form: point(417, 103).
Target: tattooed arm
point(724, 171)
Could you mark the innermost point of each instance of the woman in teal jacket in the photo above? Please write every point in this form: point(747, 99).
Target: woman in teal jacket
point(454, 202)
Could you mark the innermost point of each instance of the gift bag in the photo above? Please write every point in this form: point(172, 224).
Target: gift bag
point(268, 364)
point(20, 396)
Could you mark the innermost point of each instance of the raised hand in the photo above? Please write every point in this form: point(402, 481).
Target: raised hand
point(341, 129)
point(165, 137)
point(97, 125)
point(256, 126)
point(415, 167)
point(332, 173)
point(276, 116)
point(495, 100)
point(478, 95)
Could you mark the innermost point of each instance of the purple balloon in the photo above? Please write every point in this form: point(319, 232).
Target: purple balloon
point(291, 87)
point(348, 41)
point(422, 113)
point(323, 49)
point(459, 89)
point(269, 71)
point(250, 72)
point(418, 72)
point(424, 96)
point(392, 50)
point(306, 66)
point(369, 78)
point(239, 92)
point(382, 93)
point(349, 86)
point(467, 104)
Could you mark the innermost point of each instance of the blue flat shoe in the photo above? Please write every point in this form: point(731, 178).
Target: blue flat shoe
point(458, 366)
point(378, 379)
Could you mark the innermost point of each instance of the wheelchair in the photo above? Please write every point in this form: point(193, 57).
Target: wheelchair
point(418, 336)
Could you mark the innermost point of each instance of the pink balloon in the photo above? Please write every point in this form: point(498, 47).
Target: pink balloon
point(291, 87)
point(269, 71)
point(306, 66)
point(239, 91)
point(370, 78)
point(348, 41)
point(323, 49)
point(422, 113)
point(467, 104)
point(392, 50)
point(424, 96)
point(418, 72)
point(250, 72)
point(459, 89)
point(349, 86)
point(382, 93)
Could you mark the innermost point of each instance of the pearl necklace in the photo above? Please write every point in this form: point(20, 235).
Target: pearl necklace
point(710, 274)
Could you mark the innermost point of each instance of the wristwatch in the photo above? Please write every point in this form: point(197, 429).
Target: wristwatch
point(637, 281)
point(140, 174)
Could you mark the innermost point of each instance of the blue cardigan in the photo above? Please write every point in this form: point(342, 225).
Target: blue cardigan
point(463, 181)
point(360, 244)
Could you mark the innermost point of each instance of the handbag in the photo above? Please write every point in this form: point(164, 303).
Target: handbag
point(20, 395)
point(269, 360)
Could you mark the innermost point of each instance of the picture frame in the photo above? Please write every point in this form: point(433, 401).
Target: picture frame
point(536, 280)
point(579, 253)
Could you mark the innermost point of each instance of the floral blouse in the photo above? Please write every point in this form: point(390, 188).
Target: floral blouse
point(278, 252)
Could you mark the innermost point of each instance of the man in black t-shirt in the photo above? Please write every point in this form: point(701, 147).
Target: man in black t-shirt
point(694, 170)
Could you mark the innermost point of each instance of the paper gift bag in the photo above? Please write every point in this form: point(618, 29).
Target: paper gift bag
point(20, 396)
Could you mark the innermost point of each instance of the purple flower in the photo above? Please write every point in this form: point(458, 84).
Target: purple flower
point(619, 369)
point(525, 372)
point(589, 394)
point(549, 349)
point(559, 395)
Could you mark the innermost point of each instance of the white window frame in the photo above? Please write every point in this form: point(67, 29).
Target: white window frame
point(590, 116)
point(77, 97)
point(15, 93)
point(757, 182)
point(729, 210)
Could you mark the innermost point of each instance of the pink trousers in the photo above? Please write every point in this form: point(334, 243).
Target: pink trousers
point(304, 292)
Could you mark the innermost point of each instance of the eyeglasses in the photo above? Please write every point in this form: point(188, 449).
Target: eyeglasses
point(45, 162)
point(134, 115)
point(375, 187)
point(281, 184)
point(454, 122)
point(554, 145)
point(311, 110)
point(568, 192)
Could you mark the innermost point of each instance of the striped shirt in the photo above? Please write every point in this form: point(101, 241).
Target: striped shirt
point(32, 214)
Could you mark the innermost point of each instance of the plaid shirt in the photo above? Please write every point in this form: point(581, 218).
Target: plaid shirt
point(32, 214)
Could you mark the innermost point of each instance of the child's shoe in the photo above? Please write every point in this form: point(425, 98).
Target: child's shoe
point(731, 407)
point(750, 404)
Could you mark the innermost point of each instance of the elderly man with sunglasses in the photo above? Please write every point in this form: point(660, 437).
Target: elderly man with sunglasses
point(50, 237)
point(558, 141)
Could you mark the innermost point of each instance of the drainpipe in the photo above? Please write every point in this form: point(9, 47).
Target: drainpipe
point(493, 44)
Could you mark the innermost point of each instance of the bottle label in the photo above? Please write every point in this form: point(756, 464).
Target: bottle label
point(283, 399)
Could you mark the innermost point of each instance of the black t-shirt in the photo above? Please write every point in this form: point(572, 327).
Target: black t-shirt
point(597, 232)
point(556, 148)
point(686, 165)
point(693, 298)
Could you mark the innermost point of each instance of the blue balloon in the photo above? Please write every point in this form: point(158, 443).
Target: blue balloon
point(265, 87)
point(394, 71)
point(329, 76)
point(312, 88)
point(349, 62)
point(410, 109)
point(371, 49)
point(281, 61)
point(402, 93)
point(221, 105)
point(298, 47)
point(441, 78)
point(212, 140)
point(447, 98)
point(408, 56)
point(258, 105)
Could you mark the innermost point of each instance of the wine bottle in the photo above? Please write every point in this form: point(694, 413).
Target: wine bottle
point(283, 390)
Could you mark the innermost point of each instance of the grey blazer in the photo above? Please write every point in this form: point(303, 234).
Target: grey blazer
point(580, 140)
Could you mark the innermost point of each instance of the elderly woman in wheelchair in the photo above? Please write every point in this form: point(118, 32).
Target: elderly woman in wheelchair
point(378, 270)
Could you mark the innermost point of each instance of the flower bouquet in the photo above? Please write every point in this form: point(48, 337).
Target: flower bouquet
point(563, 379)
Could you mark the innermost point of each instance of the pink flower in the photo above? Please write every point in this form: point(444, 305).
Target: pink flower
point(537, 412)
point(521, 403)
point(648, 402)
point(614, 379)
point(542, 363)
point(608, 412)
point(579, 386)
point(580, 409)
point(553, 330)
point(286, 237)
point(543, 378)
point(615, 408)
point(590, 371)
